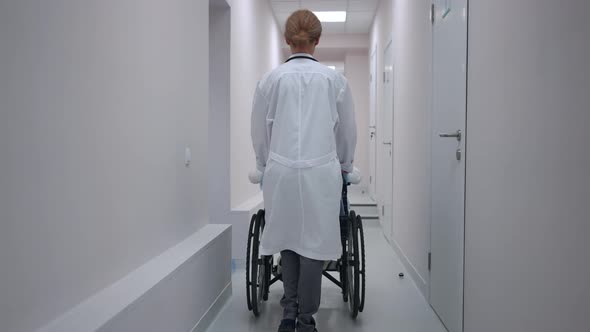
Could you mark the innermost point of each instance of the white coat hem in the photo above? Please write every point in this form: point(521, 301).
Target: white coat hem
point(305, 253)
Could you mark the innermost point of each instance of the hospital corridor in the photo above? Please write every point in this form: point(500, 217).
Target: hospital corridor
point(294, 166)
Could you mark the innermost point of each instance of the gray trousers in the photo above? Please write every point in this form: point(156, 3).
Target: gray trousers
point(302, 281)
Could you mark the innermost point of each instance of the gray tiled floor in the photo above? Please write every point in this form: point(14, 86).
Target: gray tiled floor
point(393, 304)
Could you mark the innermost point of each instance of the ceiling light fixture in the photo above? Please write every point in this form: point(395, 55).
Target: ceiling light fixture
point(331, 16)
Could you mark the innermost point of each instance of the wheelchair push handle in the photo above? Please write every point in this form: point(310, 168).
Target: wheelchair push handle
point(255, 177)
point(355, 177)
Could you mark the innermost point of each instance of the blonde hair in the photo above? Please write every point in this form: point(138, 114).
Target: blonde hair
point(303, 28)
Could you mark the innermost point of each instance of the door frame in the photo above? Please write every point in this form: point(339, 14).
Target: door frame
point(390, 43)
point(374, 69)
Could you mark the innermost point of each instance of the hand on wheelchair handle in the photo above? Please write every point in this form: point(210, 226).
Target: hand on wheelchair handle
point(353, 178)
point(255, 177)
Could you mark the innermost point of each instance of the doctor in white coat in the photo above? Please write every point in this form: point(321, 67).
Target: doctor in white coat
point(304, 137)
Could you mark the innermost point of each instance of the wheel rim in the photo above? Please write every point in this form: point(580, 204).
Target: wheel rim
point(349, 270)
point(361, 256)
point(248, 263)
point(353, 272)
point(261, 262)
point(261, 281)
point(267, 276)
point(257, 285)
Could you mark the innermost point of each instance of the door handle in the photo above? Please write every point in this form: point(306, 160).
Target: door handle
point(458, 135)
point(387, 143)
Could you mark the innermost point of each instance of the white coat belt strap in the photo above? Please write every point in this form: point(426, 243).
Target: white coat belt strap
point(303, 163)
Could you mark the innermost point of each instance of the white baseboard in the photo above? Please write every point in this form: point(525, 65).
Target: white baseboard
point(215, 309)
point(172, 292)
point(421, 284)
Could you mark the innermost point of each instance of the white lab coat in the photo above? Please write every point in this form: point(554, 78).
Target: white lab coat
point(304, 135)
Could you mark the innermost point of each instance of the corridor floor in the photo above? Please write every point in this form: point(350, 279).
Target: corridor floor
point(392, 304)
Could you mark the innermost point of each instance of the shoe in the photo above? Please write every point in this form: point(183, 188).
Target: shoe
point(287, 325)
point(312, 323)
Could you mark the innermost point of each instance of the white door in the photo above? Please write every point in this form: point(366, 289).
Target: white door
point(448, 160)
point(386, 123)
point(372, 172)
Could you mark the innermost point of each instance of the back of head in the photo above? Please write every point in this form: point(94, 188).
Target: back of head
point(303, 28)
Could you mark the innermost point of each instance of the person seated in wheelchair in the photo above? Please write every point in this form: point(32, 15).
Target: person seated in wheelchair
point(304, 138)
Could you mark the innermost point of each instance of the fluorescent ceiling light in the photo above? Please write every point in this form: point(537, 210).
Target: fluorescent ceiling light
point(331, 16)
point(333, 67)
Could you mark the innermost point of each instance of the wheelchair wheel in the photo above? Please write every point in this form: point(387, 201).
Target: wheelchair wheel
point(248, 261)
point(256, 265)
point(344, 225)
point(268, 263)
point(362, 271)
point(343, 278)
point(353, 275)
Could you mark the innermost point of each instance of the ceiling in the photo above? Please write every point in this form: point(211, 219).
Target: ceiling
point(360, 13)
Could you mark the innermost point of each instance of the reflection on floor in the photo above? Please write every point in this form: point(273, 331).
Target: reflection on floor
point(393, 304)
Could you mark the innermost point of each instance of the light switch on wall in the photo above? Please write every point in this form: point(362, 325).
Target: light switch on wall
point(187, 157)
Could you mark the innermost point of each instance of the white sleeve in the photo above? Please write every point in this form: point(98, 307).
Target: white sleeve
point(259, 129)
point(346, 129)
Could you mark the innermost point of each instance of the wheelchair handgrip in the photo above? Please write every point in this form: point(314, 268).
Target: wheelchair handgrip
point(355, 177)
point(255, 176)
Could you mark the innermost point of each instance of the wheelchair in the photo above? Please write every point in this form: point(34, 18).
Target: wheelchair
point(262, 271)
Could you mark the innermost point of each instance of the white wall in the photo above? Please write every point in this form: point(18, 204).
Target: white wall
point(358, 41)
point(256, 49)
point(182, 289)
point(381, 33)
point(411, 132)
point(528, 182)
point(335, 47)
point(219, 111)
point(407, 22)
point(357, 72)
point(98, 100)
point(338, 65)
